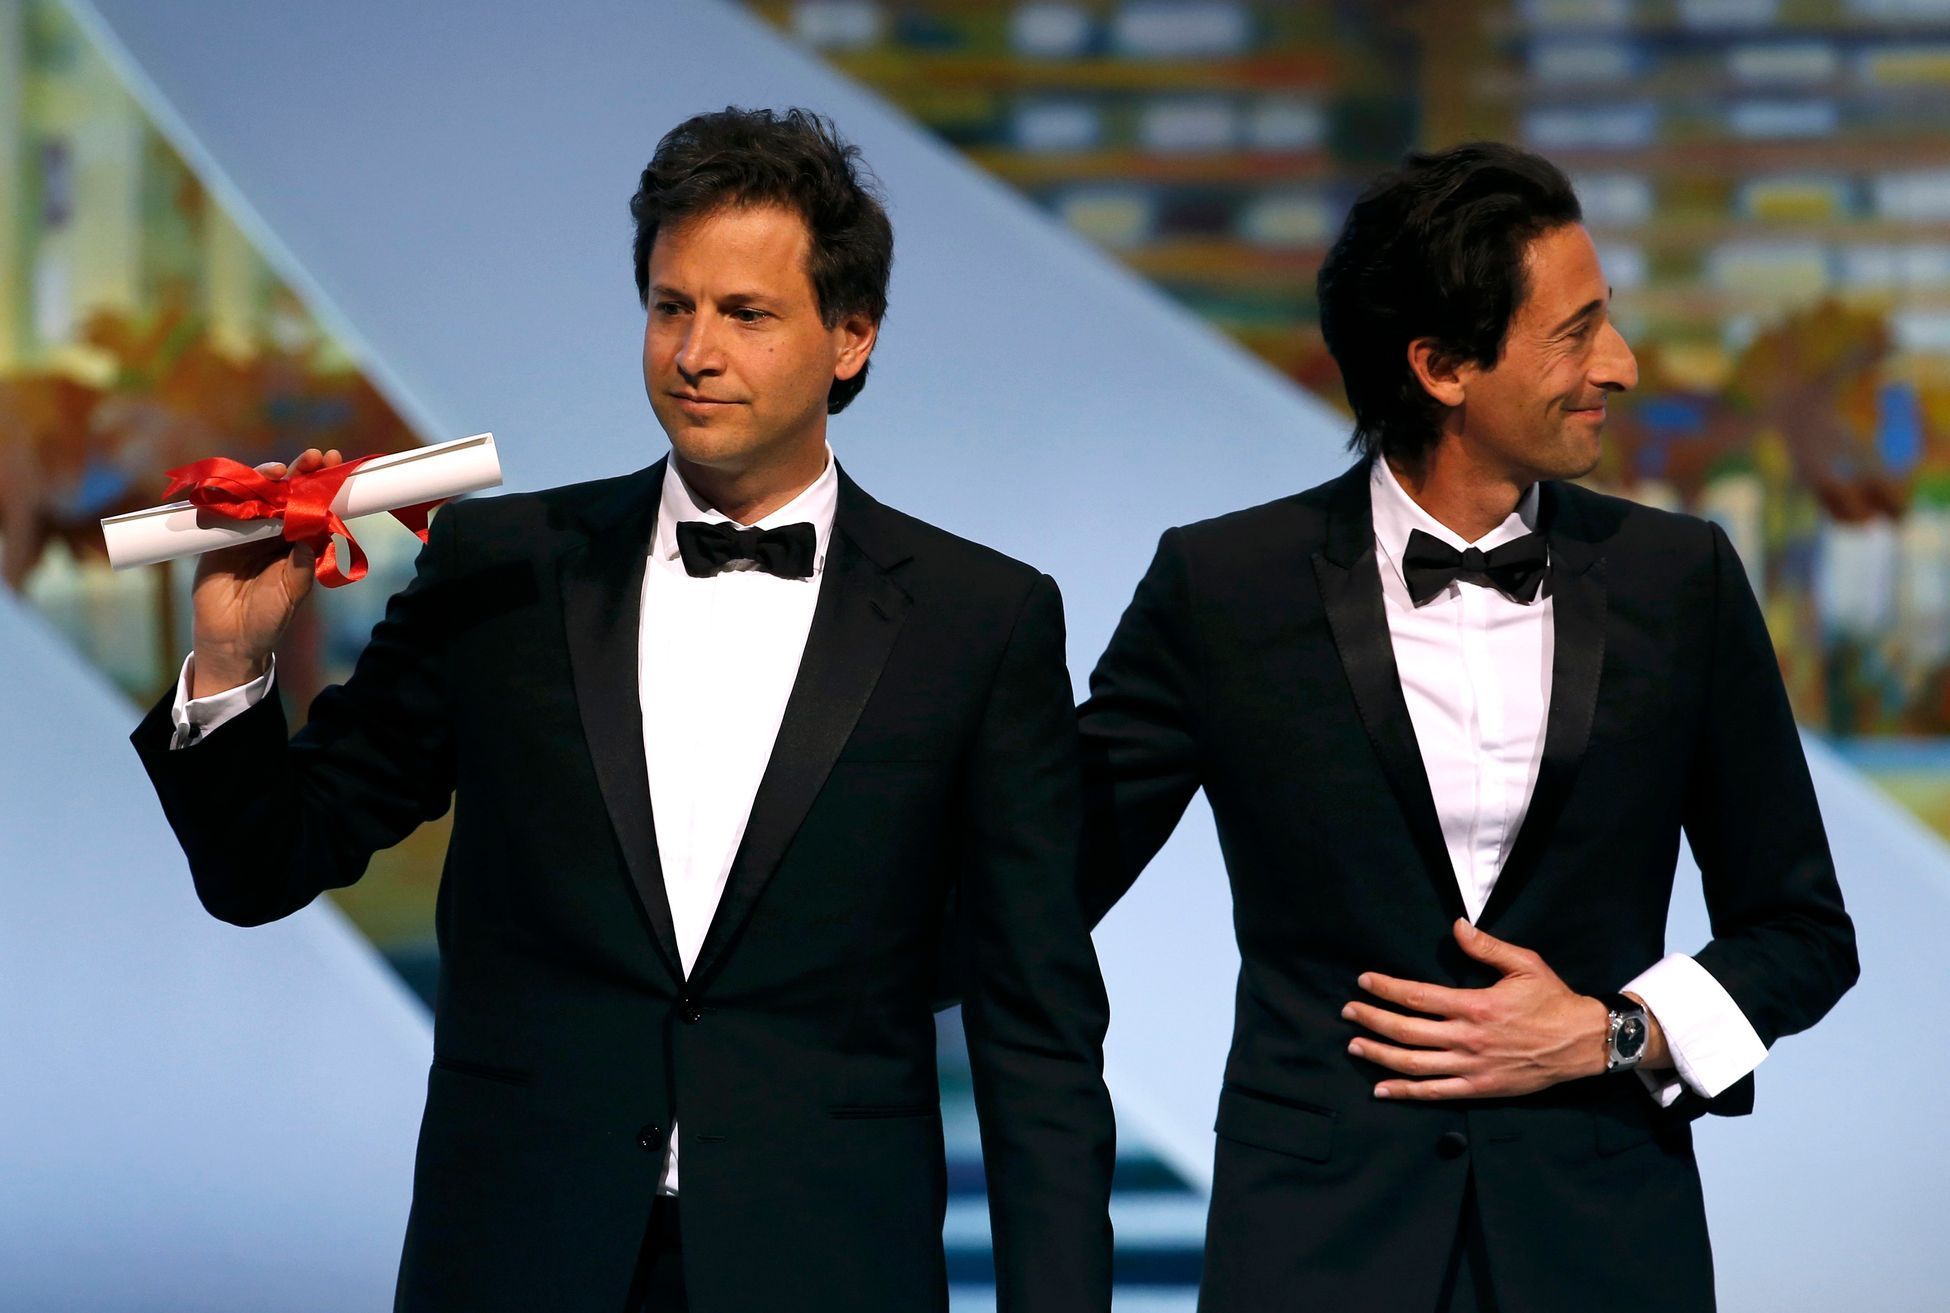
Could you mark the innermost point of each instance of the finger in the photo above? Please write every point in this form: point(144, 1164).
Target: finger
point(1410, 1062)
point(1418, 995)
point(311, 460)
point(333, 457)
point(272, 469)
point(1447, 1087)
point(1406, 1030)
point(1486, 947)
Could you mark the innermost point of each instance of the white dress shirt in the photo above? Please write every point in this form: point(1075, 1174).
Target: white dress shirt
point(716, 660)
point(715, 666)
point(1475, 671)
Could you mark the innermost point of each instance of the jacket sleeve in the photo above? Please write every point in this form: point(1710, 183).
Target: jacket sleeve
point(266, 823)
point(1783, 946)
point(1035, 1012)
point(1141, 758)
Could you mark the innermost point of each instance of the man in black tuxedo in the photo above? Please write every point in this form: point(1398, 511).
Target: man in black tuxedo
point(722, 736)
point(1453, 714)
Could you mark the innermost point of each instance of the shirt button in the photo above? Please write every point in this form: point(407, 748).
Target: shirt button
point(690, 1012)
point(1451, 1144)
point(650, 1139)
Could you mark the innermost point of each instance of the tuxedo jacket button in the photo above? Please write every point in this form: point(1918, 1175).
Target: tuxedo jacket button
point(690, 1012)
point(1452, 1144)
point(650, 1139)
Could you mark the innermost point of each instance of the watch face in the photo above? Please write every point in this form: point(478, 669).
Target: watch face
point(1631, 1037)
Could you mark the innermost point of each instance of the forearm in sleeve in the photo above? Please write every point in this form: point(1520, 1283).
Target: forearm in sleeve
point(1783, 946)
point(268, 822)
point(1035, 1010)
point(1139, 740)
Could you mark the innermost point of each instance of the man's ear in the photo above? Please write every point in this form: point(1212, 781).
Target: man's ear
point(1440, 376)
point(857, 334)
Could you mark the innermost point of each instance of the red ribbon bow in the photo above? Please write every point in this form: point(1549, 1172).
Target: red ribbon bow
point(303, 502)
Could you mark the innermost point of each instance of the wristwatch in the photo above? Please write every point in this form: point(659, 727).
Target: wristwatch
point(1626, 1035)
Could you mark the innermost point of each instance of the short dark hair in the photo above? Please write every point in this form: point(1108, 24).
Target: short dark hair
point(796, 159)
point(1432, 249)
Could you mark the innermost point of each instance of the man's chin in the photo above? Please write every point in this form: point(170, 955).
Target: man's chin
point(1578, 456)
point(1581, 468)
point(705, 444)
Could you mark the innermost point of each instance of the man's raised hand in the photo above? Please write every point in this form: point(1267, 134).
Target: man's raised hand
point(245, 597)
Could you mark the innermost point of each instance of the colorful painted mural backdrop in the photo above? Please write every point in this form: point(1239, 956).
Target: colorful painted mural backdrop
point(1768, 181)
point(141, 329)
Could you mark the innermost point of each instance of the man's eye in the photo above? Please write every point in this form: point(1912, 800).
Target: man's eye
point(747, 315)
point(669, 308)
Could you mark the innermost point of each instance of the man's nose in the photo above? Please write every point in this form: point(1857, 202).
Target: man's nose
point(697, 354)
point(1615, 368)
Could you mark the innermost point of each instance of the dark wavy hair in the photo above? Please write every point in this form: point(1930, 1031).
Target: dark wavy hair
point(1432, 249)
point(795, 159)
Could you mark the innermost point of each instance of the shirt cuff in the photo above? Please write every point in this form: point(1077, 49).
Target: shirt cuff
point(196, 719)
point(1711, 1041)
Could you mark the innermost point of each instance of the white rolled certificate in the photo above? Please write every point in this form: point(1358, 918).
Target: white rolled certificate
point(384, 483)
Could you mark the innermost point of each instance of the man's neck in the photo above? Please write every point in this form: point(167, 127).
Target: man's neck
point(1467, 497)
point(749, 495)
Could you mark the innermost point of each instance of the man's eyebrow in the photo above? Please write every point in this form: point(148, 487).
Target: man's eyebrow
point(663, 291)
point(1583, 312)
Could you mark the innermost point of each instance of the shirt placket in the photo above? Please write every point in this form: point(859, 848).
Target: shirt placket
point(1486, 730)
point(697, 706)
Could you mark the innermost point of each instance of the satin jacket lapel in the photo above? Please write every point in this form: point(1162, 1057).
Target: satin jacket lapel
point(602, 615)
point(1349, 575)
point(855, 622)
point(1578, 615)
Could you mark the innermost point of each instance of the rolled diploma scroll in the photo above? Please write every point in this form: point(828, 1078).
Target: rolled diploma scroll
point(385, 483)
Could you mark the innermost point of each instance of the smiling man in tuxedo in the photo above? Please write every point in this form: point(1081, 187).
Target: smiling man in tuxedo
point(722, 736)
point(1452, 714)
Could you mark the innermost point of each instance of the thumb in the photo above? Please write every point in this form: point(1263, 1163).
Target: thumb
point(1486, 947)
point(299, 565)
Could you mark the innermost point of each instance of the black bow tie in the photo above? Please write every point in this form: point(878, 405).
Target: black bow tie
point(1515, 569)
point(708, 546)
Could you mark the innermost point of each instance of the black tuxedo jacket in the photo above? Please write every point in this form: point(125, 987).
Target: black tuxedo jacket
point(929, 746)
point(1255, 662)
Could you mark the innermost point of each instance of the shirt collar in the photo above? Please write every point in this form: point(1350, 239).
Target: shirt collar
point(814, 505)
point(1396, 515)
